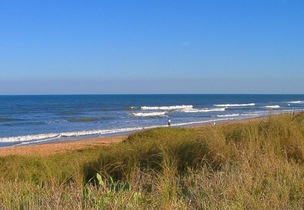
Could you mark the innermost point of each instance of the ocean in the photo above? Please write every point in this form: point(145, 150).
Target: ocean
point(27, 120)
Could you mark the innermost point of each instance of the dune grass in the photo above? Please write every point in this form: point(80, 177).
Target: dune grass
point(240, 165)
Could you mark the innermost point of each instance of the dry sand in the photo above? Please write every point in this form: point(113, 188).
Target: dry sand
point(61, 146)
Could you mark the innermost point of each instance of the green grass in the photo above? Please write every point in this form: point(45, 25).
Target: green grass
point(252, 165)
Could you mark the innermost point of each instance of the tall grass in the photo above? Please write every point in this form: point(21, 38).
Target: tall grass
point(250, 165)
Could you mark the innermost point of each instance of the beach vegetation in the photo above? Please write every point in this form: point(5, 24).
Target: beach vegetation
point(255, 164)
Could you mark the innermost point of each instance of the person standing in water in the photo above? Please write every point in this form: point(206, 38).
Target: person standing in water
point(169, 122)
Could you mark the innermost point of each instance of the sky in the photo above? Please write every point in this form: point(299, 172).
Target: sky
point(151, 47)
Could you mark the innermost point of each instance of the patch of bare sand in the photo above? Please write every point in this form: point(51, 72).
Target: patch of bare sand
point(61, 147)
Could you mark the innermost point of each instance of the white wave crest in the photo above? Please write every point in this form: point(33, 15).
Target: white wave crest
point(228, 115)
point(30, 137)
point(99, 132)
point(203, 110)
point(296, 102)
point(166, 107)
point(251, 114)
point(272, 107)
point(202, 122)
point(234, 105)
point(27, 139)
point(148, 114)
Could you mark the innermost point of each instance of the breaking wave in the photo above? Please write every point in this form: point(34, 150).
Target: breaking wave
point(27, 139)
point(30, 137)
point(191, 110)
point(251, 114)
point(166, 107)
point(272, 107)
point(228, 115)
point(148, 114)
point(234, 105)
point(296, 102)
point(202, 122)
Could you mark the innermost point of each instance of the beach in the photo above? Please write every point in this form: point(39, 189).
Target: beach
point(52, 148)
point(61, 146)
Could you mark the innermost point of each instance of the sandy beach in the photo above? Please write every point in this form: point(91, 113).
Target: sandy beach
point(66, 146)
point(61, 146)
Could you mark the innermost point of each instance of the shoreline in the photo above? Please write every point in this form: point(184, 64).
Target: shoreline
point(58, 147)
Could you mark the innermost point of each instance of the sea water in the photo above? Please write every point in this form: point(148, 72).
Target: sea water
point(26, 120)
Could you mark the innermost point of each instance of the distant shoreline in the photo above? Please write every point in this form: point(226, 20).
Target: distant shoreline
point(51, 148)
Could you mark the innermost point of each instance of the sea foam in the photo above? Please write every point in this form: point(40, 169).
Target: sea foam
point(272, 107)
point(296, 102)
point(50, 136)
point(147, 114)
point(203, 110)
point(234, 105)
point(228, 115)
point(30, 137)
point(166, 107)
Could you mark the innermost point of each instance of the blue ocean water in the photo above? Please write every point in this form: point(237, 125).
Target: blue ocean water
point(26, 120)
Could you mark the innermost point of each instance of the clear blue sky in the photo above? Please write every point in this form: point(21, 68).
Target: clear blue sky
point(151, 46)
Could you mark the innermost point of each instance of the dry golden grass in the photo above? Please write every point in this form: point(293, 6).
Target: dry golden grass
point(252, 165)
